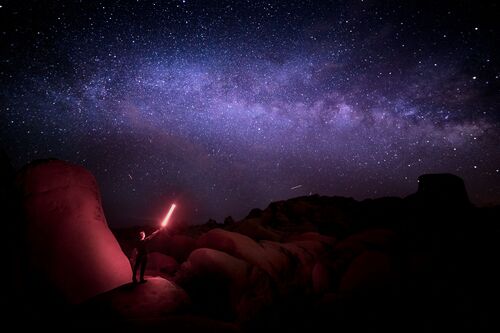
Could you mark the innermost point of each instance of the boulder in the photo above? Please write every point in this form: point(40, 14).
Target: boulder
point(289, 265)
point(371, 271)
point(223, 286)
point(234, 244)
point(70, 244)
point(381, 239)
point(177, 246)
point(161, 264)
point(256, 228)
point(321, 278)
point(313, 236)
point(152, 300)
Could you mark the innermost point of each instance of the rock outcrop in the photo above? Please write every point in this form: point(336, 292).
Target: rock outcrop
point(155, 299)
point(297, 265)
point(69, 242)
point(443, 190)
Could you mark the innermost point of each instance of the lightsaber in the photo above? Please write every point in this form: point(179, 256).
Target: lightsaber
point(165, 220)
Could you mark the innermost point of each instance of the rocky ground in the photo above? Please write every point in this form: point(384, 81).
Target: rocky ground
point(427, 262)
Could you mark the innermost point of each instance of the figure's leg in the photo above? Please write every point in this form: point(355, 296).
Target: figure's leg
point(143, 267)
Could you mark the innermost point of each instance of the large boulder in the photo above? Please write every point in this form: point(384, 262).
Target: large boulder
point(155, 299)
point(223, 286)
point(69, 242)
point(368, 272)
point(289, 265)
point(321, 278)
point(177, 246)
point(271, 257)
point(328, 270)
point(235, 244)
point(161, 264)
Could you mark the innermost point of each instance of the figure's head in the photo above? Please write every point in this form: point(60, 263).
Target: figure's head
point(142, 235)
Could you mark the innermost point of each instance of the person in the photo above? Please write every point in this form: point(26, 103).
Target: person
point(142, 254)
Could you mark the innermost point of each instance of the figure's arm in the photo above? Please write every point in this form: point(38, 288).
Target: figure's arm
point(153, 235)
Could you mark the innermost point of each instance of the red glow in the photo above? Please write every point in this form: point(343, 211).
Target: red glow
point(165, 220)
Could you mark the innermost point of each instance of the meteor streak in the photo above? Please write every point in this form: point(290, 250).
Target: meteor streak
point(165, 220)
point(295, 187)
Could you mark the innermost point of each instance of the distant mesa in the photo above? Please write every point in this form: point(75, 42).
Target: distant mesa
point(443, 189)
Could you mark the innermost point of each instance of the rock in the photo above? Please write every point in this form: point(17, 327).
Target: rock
point(313, 236)
point(289, 265)
point(223, 286)
point(382, 239)
point(177, 246)
point(443, 190)
point(213, 280)
point(254, 213)
point(255, 228)
point(269, 256)
point(280, 264)
point(234, 244)
point(370, 295)
point(329, 268)
point(370, 271)
point(303, 256)
point(161, 264)
point(229, 221)
point(69, 241)
point(321, 278)
point(330, 215)
point(154, 299)
point(11, 301)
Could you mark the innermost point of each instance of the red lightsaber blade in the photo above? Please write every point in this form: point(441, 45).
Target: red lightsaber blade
point(165, 220)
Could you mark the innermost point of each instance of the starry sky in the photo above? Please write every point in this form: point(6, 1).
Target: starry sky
point(223, 106)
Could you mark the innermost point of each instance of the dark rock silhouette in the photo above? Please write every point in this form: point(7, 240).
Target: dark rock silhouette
point(229, 220)
point(443, 189)
point(222, 286)
point(12, 246)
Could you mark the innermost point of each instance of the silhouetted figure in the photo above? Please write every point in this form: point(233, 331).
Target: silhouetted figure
point(142, 254)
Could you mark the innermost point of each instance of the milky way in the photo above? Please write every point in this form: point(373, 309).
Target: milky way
point(227, 105)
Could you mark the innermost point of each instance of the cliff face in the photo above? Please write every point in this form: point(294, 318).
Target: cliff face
point(68, 240)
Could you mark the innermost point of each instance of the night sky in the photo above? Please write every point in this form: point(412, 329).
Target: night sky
point(223, 106)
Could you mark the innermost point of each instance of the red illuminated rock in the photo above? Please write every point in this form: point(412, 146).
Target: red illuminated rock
point(70, 243)
point(152, 300)
point(289, 265)
point(235, 244)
